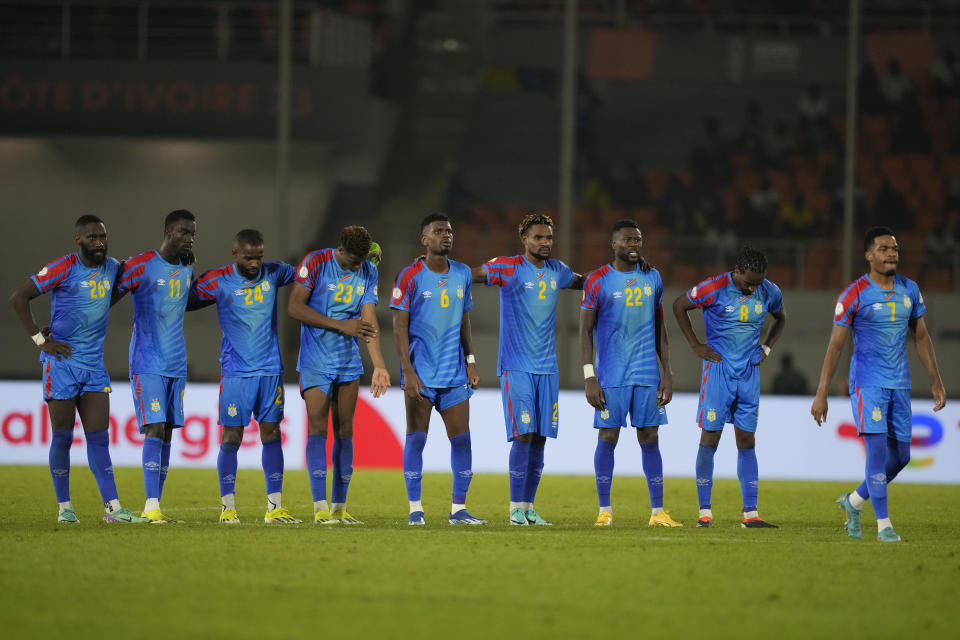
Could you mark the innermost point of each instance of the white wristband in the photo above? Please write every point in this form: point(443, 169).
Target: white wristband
point(766, 350)
point(471, 359)
point(38, 339)
point(588, 372)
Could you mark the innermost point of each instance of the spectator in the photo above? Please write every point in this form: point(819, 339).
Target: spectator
point(890, 209)
point(868, 90)
point(711, 156)
point(764, 205)
point(779, 145)
point(945, 75)
point(940, 245)
point(789, 381)
point(673, 205)
point(812, 107)
point(910, 131)
point(894, 86)
point(628, 186)
point(796, 218)
point(752, 136)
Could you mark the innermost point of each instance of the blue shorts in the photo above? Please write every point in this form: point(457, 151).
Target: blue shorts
point(879, 410)
point(62, 381)
point(323, 381)
point(261, 396)
point(157, 399)
point(640, 402)
point(530, 403)
point(724, 399)
point(442, 398)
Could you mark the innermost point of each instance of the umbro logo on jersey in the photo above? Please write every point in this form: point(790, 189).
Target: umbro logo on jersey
point(427, 294)
point(238, 292)
point(728, 309)
point(616, 295)
point(877, 306)
point(161, 282)
point(528, 285)
point(332, 287)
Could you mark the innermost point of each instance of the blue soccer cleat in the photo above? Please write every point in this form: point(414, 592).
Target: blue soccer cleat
point(518, 518)
point(852, 517)
point(68, 516)
point(416, 519)
point(464, 517)
point(887, 534)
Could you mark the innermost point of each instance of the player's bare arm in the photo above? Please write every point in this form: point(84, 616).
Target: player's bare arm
point(578, 280)
point(776, 329)
point(929, 359)
point(838, 337)
point(194, 301)
point(665, 391)
point(298, 309)
point(117, 294)
point(466, 340)
point(478, 275)
point(591, 386)
point(681, 309)
point(381, 378)
point(401, 338)
point(20, 301)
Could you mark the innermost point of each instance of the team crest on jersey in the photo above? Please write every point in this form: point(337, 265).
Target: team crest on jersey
point(397, 294)
point(106, 284)
point(232, 410)
point(553, 284)
point(876, 415)
point(303, 272)
point(528, 285)
point(906, 302)
point(525, 417)
point(647, 290)
point(360, 290)
point(712, 415)
point(155, 405)
point(459, 292)
point(42, 272)
point(265, 286)
point(605, 414)
point(758, 308)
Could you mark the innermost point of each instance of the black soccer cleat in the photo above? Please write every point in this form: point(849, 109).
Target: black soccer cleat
point(757, 523)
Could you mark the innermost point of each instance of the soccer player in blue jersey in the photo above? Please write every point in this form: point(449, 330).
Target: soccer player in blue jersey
point(879, 308)
point(75, 380)
point(251, 382)
point(734, 306)
point(431, 305)
point(159, 284)
point(335, 303)
point(527, 361)
point(623, 306)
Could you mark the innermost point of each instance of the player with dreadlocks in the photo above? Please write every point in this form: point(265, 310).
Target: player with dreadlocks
point(527, 363)
point(734, 306)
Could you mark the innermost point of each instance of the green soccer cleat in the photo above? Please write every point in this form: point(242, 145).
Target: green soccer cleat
point(280, 516)
point(123, 515)
point(518, 518)
point(852, 517)
point(887, 534)
point(68, 516)
point(535, 518)
point(341, 516)
point(229, 516)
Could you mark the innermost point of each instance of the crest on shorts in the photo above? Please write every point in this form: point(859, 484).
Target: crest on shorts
point(605, 414)
point(711, 416)
point(107, 389)
point(906, 302)
point(525, 417)
point(877, 414)
point(232, 410)
point(155, 405)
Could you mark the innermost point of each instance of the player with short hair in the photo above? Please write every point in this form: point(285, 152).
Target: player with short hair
point(734, 306)
point(251, 381)
point(159, 284)
point(527, 360)
point(75, 379)
point(431, 305)
point(335, 303)
point(623, 306)
point(878, 309)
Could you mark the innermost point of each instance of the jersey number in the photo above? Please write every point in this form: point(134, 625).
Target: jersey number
point(254, 293)
point(893, 310)
point(633, 296)
point(444, 299)
point(344, 293)
point(543, 290)
point(744, 312)
point(97, 290)
point(174, 288)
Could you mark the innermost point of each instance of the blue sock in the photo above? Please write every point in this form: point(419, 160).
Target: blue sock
point(98, 457)
point(749, 474)
point(519, 461)
point(534, 469)
point(603, 469)
point(271, 459)
point(60, 463)
point(653, 469)
point(317, 466)
point(898, 455)
point(342, 460)
point(164, 464)
point(151, 467)
point(876, 476)
point(461, 462)
point(227, 467)
point(704, 470)
point(413, 463)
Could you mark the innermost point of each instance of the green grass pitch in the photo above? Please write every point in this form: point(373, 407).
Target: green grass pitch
point(388, 580)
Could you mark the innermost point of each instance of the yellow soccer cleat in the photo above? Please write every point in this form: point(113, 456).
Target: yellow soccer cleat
point(280, 516)
point(605, 519)
point(341, 516)
point(155, 517)
point(663, 519)
point(229, 516)
point(323, 517)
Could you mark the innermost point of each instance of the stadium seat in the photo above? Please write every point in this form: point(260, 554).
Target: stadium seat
point(937, 279)
point(781, 275)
